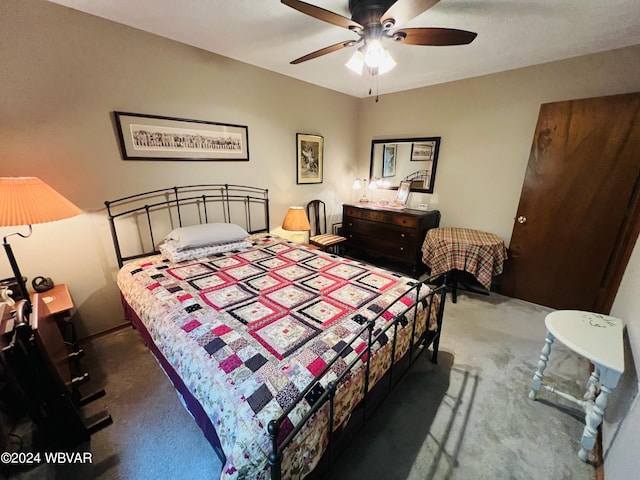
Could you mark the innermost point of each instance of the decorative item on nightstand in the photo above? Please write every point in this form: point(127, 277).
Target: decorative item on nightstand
point(42, 284)
point(296, 221)
point(25, 201)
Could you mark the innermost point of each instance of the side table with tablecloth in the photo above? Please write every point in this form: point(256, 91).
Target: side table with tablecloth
point(450, 250)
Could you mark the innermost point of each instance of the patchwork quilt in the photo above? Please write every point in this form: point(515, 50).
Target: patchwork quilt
point(249, 329)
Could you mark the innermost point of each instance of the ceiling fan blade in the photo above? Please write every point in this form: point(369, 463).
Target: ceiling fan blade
point(404, 10)
point(324, 51)
point(322, 14)
point(433, 36)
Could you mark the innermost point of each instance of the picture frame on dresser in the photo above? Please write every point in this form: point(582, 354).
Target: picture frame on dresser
point(402, 195)
point(154, 137)
point(309, 158)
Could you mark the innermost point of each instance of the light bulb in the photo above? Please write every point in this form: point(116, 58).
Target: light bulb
point(374, 54)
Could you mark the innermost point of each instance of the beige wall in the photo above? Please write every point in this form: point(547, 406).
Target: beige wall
point(487, 124)
point(64, 72)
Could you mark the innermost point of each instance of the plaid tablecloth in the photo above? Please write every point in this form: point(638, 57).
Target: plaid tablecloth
point(480, 253)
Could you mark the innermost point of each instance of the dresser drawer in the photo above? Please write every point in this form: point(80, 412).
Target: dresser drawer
point(384, 247)
point(348, 211)
point(393, 218)
point(387, 232)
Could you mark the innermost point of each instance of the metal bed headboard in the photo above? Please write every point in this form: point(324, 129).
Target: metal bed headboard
point(205, 203)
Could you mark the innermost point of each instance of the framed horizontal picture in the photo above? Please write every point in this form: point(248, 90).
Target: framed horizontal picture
point(309, 158)
point(152, 137)
point(426, 150)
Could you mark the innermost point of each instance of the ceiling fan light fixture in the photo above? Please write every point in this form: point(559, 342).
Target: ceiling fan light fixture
point(374, 56)
point(386, 63)
point(378, 57)
point(374, 53)
point(372, 21)
point(356, 62)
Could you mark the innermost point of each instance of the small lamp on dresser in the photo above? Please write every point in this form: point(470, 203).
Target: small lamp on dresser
point(296, 221)
point(357, 185)
point(25, 201)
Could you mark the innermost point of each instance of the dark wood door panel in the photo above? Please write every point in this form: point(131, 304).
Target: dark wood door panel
point(580, 181)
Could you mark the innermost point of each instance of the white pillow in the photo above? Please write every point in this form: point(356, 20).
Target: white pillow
point(201, 252)
point(197, 236)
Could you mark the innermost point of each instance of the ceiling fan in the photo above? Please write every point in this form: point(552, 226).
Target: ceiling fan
point(375, 20)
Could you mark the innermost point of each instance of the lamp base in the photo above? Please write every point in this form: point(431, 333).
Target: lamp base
point(298, 237)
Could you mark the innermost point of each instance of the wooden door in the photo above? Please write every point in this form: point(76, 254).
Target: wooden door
point(577, 219)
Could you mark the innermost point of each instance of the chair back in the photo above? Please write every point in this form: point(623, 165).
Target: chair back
point(317, 214)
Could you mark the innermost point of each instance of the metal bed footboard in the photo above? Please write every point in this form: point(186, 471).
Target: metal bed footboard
point(201, 203)
point(426, 339)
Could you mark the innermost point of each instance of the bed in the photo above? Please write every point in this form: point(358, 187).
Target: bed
point(279, 351)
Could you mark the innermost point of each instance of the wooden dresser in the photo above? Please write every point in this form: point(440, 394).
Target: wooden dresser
point(395, 235)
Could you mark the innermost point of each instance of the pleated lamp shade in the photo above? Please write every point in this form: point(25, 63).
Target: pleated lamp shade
point(28, 200)
point(296, 220)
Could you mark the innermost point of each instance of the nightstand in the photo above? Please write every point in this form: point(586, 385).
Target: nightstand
point(59, 303)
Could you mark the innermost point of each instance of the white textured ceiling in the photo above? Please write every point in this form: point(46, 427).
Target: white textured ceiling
point(268, 34)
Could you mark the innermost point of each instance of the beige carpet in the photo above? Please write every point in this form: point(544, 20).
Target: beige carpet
point(466, 418)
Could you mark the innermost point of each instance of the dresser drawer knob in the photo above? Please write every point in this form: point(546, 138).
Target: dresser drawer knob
point(401, 249)
point(402, 235)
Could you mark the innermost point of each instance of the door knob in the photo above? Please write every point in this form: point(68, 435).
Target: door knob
point(522, 219)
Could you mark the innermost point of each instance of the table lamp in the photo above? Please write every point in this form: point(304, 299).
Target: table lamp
point(357, 185)
point(296, 221)
point(25, 201)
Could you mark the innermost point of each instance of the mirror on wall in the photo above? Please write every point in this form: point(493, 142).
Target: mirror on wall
point(405, 159)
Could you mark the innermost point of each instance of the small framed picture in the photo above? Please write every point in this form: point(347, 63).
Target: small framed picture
point(402, 196)
point(309, 158)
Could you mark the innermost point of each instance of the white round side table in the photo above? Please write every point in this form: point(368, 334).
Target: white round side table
point(598, 338)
